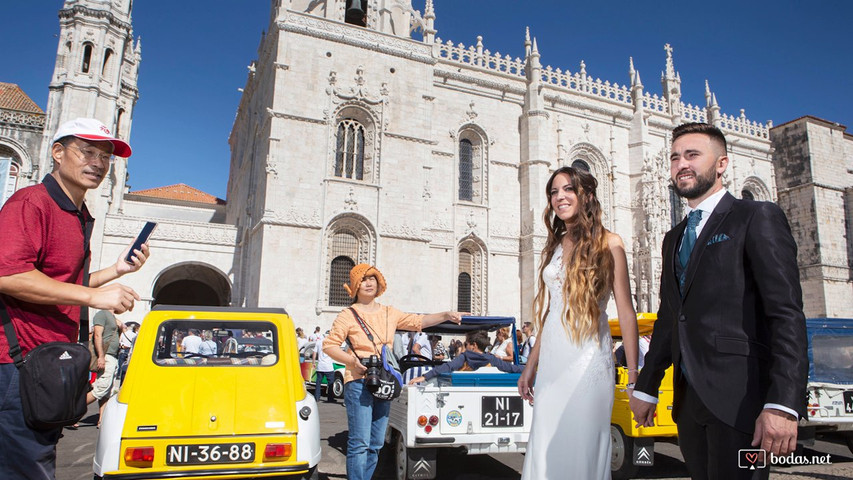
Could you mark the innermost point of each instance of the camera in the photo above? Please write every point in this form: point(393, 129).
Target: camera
point(371, 377)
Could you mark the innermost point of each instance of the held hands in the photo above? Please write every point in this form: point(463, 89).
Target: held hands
point(525, 383)
point(455, 317)
point(356, 367)
point(114, 297)
point(775, 432)
point(138, 258)
point(644, 412)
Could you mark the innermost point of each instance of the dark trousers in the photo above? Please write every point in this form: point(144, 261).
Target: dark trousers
point(24, 453)
point(712, 449)
point(318, 384)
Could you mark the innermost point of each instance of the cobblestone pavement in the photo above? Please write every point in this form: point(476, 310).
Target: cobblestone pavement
point(74, 457)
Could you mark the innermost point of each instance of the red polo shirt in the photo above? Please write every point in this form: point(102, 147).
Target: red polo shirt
point(41, 229)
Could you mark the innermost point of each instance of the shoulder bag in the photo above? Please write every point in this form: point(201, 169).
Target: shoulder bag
point(390, 382)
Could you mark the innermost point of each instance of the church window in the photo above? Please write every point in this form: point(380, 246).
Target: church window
point(472, 171)
point(87, 57)
point(464, 284)
point(338, 276)
point(350, 240)
point(9, 171)
point(119, 121)
point(747, 195)
point(349, 154)
point(107, 56)
point(356, 13)
point(466, 153)
point(471, 277)
point(581, 165)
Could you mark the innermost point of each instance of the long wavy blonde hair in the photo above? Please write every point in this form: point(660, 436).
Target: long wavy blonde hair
point(589, 267)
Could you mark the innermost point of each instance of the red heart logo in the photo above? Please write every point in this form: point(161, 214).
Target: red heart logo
point(752, 457)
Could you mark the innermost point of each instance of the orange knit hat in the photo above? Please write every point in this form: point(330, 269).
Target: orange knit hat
point(357, 274)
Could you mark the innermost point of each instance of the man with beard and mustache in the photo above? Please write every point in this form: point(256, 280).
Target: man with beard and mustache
point(44, 254)
point(730, 321)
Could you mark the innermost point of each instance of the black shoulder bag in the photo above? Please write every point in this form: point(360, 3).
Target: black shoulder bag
point(54, 376)
point(381, 379)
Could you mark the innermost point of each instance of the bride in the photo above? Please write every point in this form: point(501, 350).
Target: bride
point(571, 362)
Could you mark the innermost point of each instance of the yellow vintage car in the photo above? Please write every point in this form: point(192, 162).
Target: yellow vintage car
point(633, 447)
point(211, 393)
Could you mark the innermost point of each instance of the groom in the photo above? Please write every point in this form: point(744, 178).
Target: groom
point(730, 320)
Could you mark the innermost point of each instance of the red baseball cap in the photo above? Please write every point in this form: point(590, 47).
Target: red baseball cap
point(91, 129)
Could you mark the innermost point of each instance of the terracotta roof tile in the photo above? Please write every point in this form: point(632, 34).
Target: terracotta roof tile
point(13, 98)
point(180, 191)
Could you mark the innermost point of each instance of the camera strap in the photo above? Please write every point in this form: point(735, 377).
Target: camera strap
point(366, 332)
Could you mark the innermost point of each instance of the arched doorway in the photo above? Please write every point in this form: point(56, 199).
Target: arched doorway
point(192, 284)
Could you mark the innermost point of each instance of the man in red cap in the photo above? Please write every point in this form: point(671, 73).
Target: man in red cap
point(43, 261)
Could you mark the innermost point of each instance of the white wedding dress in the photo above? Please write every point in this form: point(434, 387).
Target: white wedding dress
point(573, 396)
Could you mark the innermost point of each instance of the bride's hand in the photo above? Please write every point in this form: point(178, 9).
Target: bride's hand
point(525, 384)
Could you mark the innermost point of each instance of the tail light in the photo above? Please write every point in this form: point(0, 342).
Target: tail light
point(433, 420)
point(422, 420)
point(278, 451)
point(139, 456)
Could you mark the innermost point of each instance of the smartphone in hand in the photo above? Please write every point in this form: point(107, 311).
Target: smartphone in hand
point(140, 239)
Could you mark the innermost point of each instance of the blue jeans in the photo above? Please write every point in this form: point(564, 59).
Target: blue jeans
point(318, 385)
point(367, 418)
point(24, 453)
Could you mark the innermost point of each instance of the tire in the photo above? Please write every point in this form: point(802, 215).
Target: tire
point(338, 386)
point(622, 450)
point(401, 457)
point(849, 439)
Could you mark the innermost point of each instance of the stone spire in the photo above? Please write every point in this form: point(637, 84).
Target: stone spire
point(671, 82)
point(429, 19)
point(712, 109)
point(636, 86)
point(527, 41)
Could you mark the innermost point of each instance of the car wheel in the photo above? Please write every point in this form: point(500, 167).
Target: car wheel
point(401, 457)
point(622, 450)
point(849, 439)
point(338, 386)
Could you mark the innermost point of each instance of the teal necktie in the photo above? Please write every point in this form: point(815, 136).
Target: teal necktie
point(689, 242)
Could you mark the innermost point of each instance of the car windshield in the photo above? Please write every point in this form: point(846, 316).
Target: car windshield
point(216, 342)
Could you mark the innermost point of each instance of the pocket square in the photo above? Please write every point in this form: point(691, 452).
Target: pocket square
point(720, 237)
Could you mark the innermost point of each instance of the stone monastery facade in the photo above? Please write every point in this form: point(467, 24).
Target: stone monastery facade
point(355, 142)
point(429, 159)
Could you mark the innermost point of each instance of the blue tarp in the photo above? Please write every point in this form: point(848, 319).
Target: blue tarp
point(830, 350)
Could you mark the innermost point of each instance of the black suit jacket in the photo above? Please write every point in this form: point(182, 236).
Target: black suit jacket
point(739, 328)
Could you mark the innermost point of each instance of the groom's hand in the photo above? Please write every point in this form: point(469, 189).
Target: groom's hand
point(775, 432)
point(644, 412)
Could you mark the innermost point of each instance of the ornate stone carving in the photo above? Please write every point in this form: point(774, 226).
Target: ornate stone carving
point(173, 230)
point(359, 37)
point(292, 218)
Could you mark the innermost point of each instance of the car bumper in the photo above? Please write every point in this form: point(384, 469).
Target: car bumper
point(213, 474)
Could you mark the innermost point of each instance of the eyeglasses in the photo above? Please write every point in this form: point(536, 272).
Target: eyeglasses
point(91, 155)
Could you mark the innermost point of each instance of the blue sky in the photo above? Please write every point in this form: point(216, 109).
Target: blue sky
point(777, 60)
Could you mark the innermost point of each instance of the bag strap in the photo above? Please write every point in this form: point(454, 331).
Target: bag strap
point(362, 325)
point(14, 347)
point(83, 336)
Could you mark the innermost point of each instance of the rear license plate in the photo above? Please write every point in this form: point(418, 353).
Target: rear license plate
point(208, 454)
point(848, 402)
point(502, 412)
